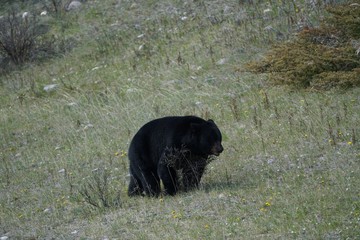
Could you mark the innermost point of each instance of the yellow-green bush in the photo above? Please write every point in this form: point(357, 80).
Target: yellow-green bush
point(319, 58)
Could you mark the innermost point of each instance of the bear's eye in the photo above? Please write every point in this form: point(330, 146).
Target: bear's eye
point(211, 138)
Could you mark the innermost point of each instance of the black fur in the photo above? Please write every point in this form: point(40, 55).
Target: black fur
point(165, 145)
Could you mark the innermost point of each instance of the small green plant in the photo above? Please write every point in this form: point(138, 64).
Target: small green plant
point(98, 192)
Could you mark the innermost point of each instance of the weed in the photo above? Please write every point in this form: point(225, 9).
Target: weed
point(98, 192)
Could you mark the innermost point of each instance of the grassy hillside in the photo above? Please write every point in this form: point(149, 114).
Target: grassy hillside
point(291, 164)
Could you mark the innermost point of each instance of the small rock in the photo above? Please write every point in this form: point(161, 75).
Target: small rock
point(74, 5)
point(43, 13)
point(50, 87)
point(221, 195)
point(133, 6)
point(72, 104)
point(268, 10)
point(61, 170)
point(199, 104)
point(25, 15)
point(88, 126)
point(46, 210)
point(270, 160)
point(221, 61)
point(131, 90)
point(269, 28)
point(4, 237)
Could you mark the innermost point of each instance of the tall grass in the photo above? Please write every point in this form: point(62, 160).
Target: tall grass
point(290, 168)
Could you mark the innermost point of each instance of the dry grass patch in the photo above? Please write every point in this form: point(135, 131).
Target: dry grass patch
point(318, 58)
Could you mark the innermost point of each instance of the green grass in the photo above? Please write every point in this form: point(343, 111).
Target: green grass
point(290, 169)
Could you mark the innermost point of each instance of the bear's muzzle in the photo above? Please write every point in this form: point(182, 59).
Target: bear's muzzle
point(217, 149)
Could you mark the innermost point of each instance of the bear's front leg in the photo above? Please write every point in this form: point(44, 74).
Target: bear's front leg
point(168, 176)
point(192, 174)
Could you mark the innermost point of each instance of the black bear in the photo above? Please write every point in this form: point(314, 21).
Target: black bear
point(166, 145)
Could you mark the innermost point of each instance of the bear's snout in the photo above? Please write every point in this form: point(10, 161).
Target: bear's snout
point(217, 149)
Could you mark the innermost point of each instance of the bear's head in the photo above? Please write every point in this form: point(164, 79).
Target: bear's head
point(206, 138)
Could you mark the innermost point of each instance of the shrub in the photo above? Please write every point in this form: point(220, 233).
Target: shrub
point(22, 38)
point(319, 58)
point(98, 192)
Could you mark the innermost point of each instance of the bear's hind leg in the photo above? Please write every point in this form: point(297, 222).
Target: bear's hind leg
point(135, 187)
point(151, 183)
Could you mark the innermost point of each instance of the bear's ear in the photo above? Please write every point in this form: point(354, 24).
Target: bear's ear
point(210, 120)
